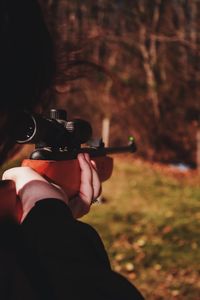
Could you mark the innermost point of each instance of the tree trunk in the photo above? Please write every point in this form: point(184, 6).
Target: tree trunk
point(106, 131)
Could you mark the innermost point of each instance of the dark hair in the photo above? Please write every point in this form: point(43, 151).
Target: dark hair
point(26, 54)
point(26, 63)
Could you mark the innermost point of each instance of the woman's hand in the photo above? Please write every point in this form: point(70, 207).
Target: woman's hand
point(90, 187)
point(32, 187)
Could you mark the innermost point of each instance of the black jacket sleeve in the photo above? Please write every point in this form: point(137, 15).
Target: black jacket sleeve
point(62, 258)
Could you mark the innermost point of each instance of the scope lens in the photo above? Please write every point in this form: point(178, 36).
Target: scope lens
point(26, 129)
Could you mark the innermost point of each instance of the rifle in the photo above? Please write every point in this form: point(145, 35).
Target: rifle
point(57, 144)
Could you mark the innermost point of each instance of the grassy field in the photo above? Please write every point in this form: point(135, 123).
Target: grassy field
point(150, 225)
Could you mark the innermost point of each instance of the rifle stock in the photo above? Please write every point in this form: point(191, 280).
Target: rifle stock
point(67, 174)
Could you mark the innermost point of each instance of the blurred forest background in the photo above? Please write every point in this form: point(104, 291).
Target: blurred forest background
point(137, 65)
point(148, 81)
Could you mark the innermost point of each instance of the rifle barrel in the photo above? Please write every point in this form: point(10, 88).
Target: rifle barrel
point(94, 152)
point(42, 154)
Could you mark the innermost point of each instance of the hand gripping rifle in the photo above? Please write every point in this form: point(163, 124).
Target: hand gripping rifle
point(57, 144)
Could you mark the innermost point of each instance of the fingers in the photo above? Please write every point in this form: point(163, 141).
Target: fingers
point(80, 205)
point(86, 186)
point(95, 181)
point(96, 185)
point(90, 187)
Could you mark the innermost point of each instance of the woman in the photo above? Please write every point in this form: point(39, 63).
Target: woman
point(47, 254)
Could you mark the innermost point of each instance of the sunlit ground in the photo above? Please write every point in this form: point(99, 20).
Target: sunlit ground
point(150, 224)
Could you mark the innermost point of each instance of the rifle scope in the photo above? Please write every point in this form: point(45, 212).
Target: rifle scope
point(55, 132)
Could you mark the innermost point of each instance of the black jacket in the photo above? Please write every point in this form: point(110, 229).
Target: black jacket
point(55, 257)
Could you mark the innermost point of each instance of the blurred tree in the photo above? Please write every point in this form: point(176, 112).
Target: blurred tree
point(149, 53)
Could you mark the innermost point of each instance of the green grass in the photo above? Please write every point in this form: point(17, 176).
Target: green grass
point(150, 225)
